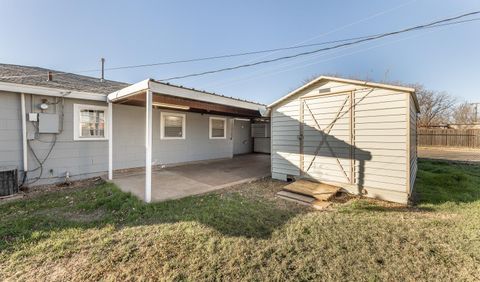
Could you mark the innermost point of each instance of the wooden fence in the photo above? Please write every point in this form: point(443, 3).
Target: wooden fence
point(448, 137)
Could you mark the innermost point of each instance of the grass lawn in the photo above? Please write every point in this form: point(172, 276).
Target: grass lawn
point(100, 233)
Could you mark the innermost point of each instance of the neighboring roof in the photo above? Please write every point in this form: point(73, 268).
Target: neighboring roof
point(182, 92)
point(350, 81)
point(35, 76)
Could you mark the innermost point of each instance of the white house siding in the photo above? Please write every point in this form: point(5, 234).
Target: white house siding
point(90, 158)
point(379, 127)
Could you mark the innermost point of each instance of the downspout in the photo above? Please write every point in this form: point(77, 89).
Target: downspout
point(24, 137)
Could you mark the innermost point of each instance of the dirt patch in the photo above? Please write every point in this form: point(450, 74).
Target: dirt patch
point(76, 216)
point(42, 189)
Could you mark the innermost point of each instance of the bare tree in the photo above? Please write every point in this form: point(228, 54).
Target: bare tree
point(464, 114)
point(435, 107)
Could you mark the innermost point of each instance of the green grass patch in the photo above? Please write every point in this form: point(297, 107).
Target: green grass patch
point(101, 233)
point(442, 182)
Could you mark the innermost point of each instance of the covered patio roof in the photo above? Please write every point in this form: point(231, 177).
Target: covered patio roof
point(150, 93)
point(171, 96)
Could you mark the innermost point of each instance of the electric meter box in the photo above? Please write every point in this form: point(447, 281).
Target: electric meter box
point(48, 123)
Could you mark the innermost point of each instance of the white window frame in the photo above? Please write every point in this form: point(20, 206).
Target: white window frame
point(210, 127)
point(162, 125)
point(76, 122)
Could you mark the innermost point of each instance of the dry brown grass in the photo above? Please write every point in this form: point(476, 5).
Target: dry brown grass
point(242, 233)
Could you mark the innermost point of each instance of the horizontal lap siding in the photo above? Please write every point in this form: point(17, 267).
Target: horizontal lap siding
point(380, 130)
point(10, 130)
point(285, 144)
point(413, 143)
point(90, 158)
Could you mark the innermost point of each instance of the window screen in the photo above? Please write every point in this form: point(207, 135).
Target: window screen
point(92, 123)
point(218, 128)
point(173, 126)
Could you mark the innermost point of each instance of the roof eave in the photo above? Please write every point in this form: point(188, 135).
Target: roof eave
point(181, 92)
point(49, 91)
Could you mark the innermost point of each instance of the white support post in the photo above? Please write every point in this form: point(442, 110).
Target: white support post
point(148, 146)
point(24, 133)
point(110, 141)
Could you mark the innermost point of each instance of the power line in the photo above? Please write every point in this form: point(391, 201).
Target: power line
point(273, 72)
point(257, 74)
point(253, 52)
point(358, 39)
point(375, 37)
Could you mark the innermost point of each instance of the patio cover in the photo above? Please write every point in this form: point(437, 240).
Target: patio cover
point(150, 93)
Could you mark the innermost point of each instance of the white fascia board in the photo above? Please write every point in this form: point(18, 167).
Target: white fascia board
point(129, 90)
point(176, 91)
point(47, 91)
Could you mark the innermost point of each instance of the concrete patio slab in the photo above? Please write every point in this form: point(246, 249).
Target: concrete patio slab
point(192, 179)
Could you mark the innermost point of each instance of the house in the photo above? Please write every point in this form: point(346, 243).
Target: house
point(58, 126)
point(354, 134)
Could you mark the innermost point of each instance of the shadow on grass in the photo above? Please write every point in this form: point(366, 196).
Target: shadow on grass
point(230, 214)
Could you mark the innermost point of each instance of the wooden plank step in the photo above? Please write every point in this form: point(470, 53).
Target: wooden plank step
point(319, 191)
point(320, 205)
point(301, 199)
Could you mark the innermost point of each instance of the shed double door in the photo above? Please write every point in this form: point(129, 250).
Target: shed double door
point(326, 138)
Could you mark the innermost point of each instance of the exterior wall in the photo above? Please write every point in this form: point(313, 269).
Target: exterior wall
point(90, 158)
point(10, 130)
point(413, 144)
point(379, 131)
point(242, 137)
point(380, 128)
point(129, 139)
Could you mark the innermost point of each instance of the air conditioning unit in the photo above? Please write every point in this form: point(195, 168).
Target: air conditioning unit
point(8, 180)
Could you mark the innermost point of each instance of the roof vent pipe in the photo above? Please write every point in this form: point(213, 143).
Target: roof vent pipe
point(49, 76)
point(102, 79)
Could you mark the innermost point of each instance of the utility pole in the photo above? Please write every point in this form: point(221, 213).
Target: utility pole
point(102, 60)
point(476, 110)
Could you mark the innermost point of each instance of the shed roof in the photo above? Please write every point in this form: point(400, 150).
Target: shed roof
point(350, 81)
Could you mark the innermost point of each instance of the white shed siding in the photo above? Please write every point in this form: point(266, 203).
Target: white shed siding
point(413, 144)
point(380, 128)
point(285, 130)
point(377, 134)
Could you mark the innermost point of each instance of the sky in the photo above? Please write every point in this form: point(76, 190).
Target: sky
point(73, 35)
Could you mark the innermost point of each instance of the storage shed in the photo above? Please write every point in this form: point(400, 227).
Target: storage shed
point(355, 134)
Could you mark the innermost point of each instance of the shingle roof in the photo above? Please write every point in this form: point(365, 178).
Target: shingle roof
point(36, 76)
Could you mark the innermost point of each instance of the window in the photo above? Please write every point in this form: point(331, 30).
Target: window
point(90, 122)
point(218, 128)
point(172, 126)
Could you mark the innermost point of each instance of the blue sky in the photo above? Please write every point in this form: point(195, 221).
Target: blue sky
point(74, 35)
